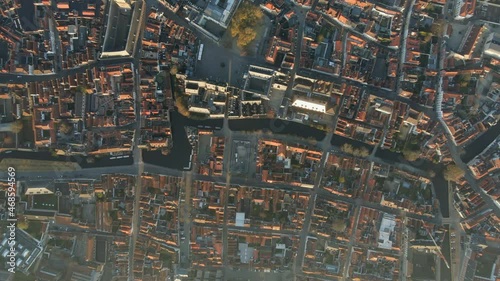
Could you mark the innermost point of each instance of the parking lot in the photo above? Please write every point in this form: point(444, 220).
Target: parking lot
point(244, 156)
point(253, 275)
point(224, 65)
point(204, 147)
point(88, 213)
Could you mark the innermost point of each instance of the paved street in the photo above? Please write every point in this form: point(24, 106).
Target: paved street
point(15, 78)
point(299, 259)
point(402, 50)
point(490, 202)
point(222, 64)
point(352, 241)
point(140, 170)
point(185, 209)
point(227, 157)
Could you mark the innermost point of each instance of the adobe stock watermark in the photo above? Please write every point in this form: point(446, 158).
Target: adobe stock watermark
point(11, 220)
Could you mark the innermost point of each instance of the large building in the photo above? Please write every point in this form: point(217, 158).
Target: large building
point(492, 46)
point(386, 231)
point(464, 9)
point(119, 18)
point(28, 250)
point(259, 81)
point(216, 17)
point(123, 28)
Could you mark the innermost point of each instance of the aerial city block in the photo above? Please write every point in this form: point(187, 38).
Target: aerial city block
point(249, 140)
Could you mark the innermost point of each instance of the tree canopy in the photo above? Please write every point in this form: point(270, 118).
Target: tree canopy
point(453, 173)
point(8, 140)
point(66, 128)
point(173, 70)
point(358, 152)
point(244, 24)
point(411, 155)
point(17, 126)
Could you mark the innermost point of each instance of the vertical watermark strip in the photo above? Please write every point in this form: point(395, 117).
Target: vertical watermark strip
point(11, 219)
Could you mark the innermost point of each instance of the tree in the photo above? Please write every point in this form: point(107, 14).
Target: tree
point(429, 8)
point(361, 152)
point(174, 70)
point(338, 225)
point(437, 28)
point(431, 173)
point(463, 80)
point(453, 173)
point(347, 148)
point(53, 153)
point(82, 89)
point(320, 38)
point(411, 155)
point(8, 140)
point(65, 127)
point(165, 151)
point(17, 127)
point(244, 24)
point(160, 79)
point(23, 224)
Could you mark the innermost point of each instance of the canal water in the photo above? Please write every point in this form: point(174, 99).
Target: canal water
point(181, 150)
point(479, 144)
point(81, 160)
point(277, 126)
point(178, 158)
point(338, 141)
point(445, 250)
point(439, 183)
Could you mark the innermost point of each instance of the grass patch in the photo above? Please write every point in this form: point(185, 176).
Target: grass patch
point(29, 165)
point(27, 134)
point(114, 215)
point(485, 265)
point(18, 276)
point(61, 243)
point(35, 229)
point(168, 257)
point(411, 192)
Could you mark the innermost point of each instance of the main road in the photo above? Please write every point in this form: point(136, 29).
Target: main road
point(139, 164)
point(16, 78)
point(404, 34)
point(450, 140)
point(299, 258)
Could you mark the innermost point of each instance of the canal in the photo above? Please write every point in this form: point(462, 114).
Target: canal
point(277, 126)
point(178, 158)
point(338, 141)
point(181, 150)
point(439, 183)
point(445, 250)
point(479, 144)
point(104, 161)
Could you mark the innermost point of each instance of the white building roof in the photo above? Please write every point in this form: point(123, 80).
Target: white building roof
point(308, 105)
point(246, 253)
point(38, 191)
point(240, 219)
point(386, 229)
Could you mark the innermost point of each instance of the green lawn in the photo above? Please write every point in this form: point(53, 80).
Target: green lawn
point(45, 202)
point(35, 229)
point(21, 277)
